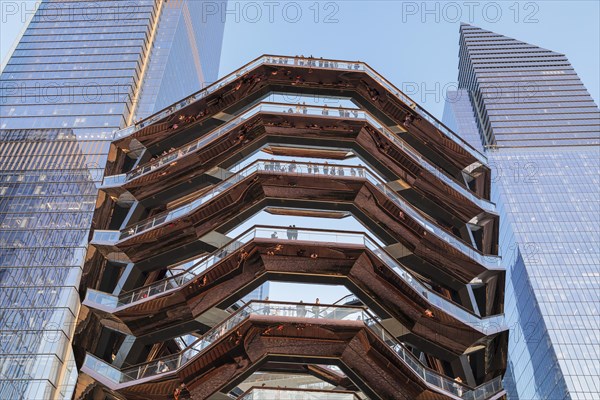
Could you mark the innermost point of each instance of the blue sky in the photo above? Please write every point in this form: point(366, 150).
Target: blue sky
point(413, 43)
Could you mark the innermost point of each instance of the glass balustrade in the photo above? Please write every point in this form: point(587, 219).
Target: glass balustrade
point(345, 113)
point(489, 261)
point(105, 237)
point(279, 379)
point(310, 62)
point(102, 368)
point(351, 298)
point(485, 390)
point(114, 180)
point(174, 362)
point(488, 325)
point(101, 298)
point(130, 130)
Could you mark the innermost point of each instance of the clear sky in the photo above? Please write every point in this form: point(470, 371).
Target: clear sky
point(412, 43)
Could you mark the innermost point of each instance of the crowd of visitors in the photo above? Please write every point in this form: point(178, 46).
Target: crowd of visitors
point(312, 168)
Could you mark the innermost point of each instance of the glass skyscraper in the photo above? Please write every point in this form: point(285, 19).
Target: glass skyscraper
point(82, 70)
point(541, 132)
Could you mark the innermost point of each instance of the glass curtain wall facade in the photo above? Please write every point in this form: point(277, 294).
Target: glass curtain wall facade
point(458, 114)
point(185, 55)
point(523, 95)
point(72, 80)
point(541, 131)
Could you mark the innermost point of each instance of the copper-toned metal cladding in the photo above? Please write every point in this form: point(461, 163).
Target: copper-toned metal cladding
point(267, 127)
point(365, 358)
point(334, 378)
point(265, 188)
point(254, 342)
point(270, 259)
point(305, 79)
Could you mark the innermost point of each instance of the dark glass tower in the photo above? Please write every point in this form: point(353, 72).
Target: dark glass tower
point(541, 131)
point(166, 281)
point(81, 70)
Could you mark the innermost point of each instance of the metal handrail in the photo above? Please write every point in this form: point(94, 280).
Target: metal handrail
point(311, 63)
point(360, 172)
point(285, 108)
point(172, 363)
point(204, 264)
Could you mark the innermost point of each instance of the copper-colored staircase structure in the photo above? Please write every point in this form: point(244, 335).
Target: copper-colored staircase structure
point(238, 267)
point(267, 331)
point(425, 271)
